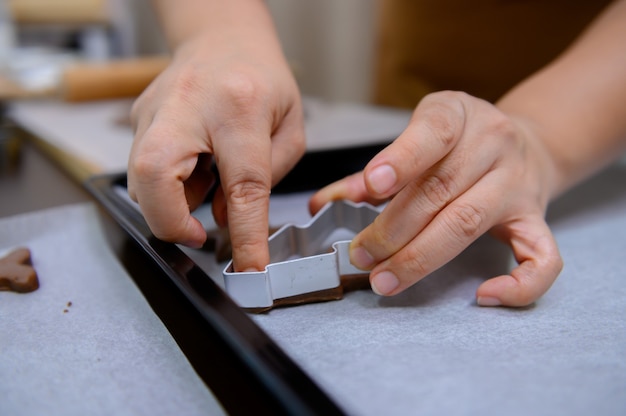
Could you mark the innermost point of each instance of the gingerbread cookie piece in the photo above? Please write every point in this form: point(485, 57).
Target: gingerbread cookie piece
point(17, 272)
point(348, 284)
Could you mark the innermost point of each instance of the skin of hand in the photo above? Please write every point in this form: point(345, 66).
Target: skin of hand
point(460, 169)
point(464, 167)
point(228, 98)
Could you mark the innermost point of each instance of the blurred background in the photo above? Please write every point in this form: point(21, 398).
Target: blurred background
point(330, 44)
point(70, 70)
point(362, 65)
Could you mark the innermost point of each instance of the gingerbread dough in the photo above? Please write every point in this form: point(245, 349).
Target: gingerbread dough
point(17, 272)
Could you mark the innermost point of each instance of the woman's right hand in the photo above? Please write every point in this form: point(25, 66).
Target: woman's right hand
point(228, 98)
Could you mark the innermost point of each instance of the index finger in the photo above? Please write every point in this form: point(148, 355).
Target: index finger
point(243, 159)
point(435, 128)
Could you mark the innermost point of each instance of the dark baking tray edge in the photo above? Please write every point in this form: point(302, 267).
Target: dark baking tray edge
point(289, 387)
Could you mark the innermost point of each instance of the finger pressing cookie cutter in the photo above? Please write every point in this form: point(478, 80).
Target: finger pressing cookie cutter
point(304, 260)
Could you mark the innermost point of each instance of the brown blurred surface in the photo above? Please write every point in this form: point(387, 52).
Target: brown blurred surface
point(59, 11)
point(481, 47)
point(89, 81)
point(121, 78)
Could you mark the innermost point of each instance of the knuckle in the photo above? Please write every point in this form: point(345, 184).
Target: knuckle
point(466, 220)
point(186, 84)
point(553, 261)
point(444, 96)
point(146, 167)
point(382, 235)
point(438, 188)
point(504, 131)
point(531, 286)
point(242, 89)
point(187, 77)
point(441, 128)
point(415, 263)
point(244, 192)
point(135, 109)
point(140, 108)
point(443, 115)
point(503, 128)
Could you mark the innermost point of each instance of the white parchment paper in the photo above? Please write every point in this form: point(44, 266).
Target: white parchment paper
point(106, 352)
point(432, 351)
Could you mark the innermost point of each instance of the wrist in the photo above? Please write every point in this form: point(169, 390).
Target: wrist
point(185, 20)
point(542, 158)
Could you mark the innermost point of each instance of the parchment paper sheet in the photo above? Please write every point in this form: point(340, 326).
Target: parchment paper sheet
point(432, 351)
point(109, 354)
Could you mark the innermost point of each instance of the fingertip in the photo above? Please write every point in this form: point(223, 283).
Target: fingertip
point(384, 283)
point(539, 265)
point(351, 187)
point(316, 202)
point(325, 195)
point(192, 235)
point(254, 260)
point(487, 301)
point(381, 180)
point(197, 236)
point(505, 290)
point(196, 244)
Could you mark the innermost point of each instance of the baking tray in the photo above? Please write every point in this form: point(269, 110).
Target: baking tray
point(287, 386)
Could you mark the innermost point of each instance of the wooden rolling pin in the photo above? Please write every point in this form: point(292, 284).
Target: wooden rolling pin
point(111, 79)
point(59, 11)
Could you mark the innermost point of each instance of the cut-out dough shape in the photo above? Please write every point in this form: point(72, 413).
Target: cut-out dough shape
point(17, 272)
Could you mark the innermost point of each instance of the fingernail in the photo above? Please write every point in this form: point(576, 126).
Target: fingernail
point(382, 179)
point(488, 301)
point(359, 257)
point(384, 283)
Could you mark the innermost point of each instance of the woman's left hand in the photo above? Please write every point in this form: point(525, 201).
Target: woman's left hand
point(461, 168)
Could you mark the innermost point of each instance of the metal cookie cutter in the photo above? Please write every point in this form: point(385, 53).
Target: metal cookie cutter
point(304, 260)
